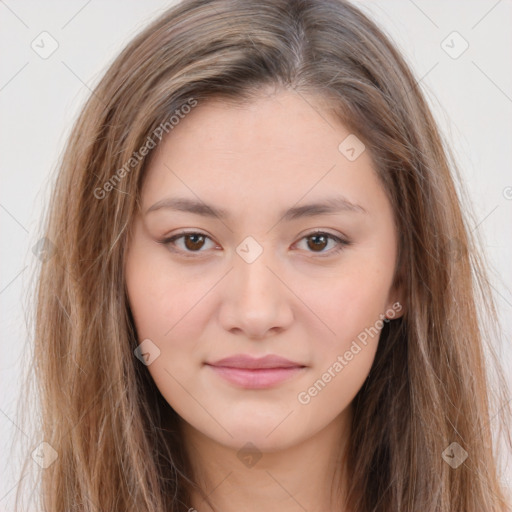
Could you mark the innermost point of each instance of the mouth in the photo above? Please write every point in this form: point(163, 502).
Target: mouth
point(256, 373)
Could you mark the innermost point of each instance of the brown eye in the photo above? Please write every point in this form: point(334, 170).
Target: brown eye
point(194, 241)
point(317, 242)
point(187, 243)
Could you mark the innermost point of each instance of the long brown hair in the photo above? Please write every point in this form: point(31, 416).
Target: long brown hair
point(118, 443)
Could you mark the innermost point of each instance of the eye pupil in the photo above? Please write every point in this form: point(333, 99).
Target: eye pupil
point(315, 245)
point(195, 238)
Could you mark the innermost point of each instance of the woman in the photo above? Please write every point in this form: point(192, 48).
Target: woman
point(261, 294)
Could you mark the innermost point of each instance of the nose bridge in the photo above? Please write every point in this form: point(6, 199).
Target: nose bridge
point(254, 279)
point(255, 301)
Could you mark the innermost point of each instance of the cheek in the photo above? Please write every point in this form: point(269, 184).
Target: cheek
point(353, 306)
point(148, 300)
point(162, 305)
point(353, 309)
point(355, 300)
point(161, 301)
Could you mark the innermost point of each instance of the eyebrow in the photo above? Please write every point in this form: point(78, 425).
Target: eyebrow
point(329, 205)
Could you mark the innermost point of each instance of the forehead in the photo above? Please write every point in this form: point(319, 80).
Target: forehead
point(285, 123)
point(277, 148)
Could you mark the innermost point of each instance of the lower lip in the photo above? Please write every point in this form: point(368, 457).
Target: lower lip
point(260, 378)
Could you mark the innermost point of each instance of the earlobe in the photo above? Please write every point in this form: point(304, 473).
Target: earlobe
point(395, 310)
point(396, 307)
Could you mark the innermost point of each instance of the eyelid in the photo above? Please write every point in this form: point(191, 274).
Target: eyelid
point(168, 242)
point(341, 240)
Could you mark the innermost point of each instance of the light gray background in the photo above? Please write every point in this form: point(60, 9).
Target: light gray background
point(39, 98)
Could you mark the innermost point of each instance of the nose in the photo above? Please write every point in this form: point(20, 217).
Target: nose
point(256, 300)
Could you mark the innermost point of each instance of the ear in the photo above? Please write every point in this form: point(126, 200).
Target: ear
point(395, 306)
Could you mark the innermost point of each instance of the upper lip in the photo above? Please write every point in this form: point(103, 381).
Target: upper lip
point(247, 361)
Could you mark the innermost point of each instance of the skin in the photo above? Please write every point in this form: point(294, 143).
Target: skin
point(299, 299)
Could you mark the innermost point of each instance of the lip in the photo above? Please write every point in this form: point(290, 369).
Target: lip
point(256, 373)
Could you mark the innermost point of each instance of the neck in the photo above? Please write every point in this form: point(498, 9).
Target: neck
point(310, 475)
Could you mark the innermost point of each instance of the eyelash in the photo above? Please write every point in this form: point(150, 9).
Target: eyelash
point(169, 242)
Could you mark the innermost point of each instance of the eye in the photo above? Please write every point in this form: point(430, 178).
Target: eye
point(192, 242)
point(319, 240)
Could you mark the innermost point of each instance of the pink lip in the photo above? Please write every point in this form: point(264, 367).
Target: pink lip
point(256, 373)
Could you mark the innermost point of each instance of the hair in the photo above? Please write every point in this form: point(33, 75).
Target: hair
point(118, 442)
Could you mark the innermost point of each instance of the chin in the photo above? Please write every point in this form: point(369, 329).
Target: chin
point(257, 440)
point(271, 435)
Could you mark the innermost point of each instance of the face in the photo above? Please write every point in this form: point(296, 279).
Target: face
point(267, 275)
